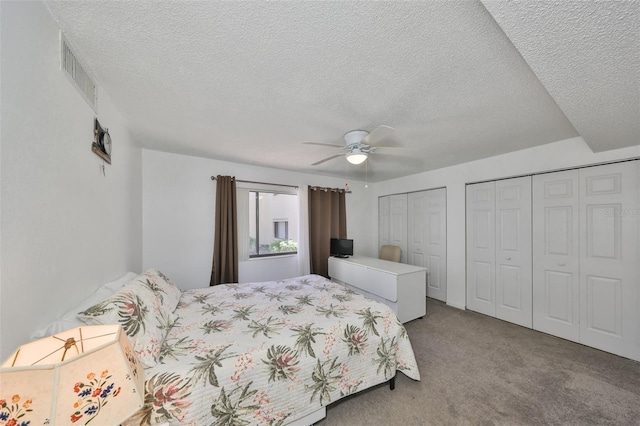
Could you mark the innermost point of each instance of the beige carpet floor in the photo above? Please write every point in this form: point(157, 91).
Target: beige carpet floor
point(478, 370)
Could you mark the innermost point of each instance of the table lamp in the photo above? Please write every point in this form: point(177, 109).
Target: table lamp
point(86, 374)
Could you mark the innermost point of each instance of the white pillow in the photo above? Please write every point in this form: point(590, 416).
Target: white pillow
point(70, 320)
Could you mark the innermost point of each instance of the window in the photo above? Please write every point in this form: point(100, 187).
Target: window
point(281, 229)
point(273, 226)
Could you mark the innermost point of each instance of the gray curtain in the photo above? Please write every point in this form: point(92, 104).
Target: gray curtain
point(225, 244)
point(327, 219)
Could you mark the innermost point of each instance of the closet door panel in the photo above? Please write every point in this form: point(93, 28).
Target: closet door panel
point(436, 243)
point(609, 258)
point(556, 254)
point(398, 223)
point(481, 248)
point(513, 251)
point(427, 242)
point(416, 229)
point(558, 300)
point(383, 220)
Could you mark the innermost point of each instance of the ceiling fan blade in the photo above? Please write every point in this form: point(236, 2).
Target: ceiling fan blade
point(327, 159)
point(323, 144)
point(379, 133)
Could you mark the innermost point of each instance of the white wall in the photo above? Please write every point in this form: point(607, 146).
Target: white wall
point(65, 228)
point(179, 204)
point(563, 154)
point(178, 214)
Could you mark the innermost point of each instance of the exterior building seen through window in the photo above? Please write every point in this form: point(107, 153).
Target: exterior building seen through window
point(273, 223)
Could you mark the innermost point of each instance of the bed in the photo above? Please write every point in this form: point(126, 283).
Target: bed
point(265, 353)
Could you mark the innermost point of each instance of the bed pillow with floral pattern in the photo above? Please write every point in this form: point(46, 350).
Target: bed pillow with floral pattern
point(143, 309)
point(164, 288)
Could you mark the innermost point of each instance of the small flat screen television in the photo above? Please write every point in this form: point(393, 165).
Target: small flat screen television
point(341, 247)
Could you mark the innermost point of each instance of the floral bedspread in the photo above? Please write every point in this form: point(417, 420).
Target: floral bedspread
point(269, 353)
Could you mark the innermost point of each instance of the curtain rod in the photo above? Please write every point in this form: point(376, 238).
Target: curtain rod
point(261, 183)
point(320, 188)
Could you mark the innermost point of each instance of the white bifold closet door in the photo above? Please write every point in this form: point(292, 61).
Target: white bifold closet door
point(417, 230)
point(556, 279)
point(481, 248)
point(499, 278)
point(585, 264)
point(586, 256)
point(609, 258)
point(513, 251)
point(426, 244)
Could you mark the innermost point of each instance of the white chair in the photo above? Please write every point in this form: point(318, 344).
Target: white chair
point(389, 252)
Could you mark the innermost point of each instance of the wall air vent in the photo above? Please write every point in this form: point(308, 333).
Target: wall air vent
point(76, 74)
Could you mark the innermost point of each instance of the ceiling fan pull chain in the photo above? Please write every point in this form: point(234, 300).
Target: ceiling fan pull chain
point(366, 174)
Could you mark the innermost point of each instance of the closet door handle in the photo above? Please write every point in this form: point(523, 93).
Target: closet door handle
point(560, 264)
point(508, 258)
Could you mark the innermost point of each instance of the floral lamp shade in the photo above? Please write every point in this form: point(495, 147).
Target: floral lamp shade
point(87, 374)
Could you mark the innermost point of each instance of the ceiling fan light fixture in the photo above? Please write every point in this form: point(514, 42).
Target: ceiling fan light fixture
point(357, 156)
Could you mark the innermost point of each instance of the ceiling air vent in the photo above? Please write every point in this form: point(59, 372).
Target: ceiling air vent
point(76, 74)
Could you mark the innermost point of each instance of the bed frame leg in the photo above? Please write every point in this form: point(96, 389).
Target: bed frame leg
point(392, 383)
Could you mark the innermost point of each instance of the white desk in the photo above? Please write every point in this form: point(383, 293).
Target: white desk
point(400, 286)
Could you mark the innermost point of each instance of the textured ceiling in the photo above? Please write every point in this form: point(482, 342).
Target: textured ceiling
point(587, 55)
point(250, 81)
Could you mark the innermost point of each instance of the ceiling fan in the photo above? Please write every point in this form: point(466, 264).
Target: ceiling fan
point(358, 145)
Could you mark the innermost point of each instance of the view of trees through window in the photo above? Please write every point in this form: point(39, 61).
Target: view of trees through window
point(273, 223)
